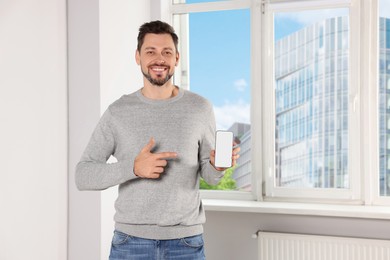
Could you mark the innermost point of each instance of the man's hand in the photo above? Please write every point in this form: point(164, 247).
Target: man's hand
point(235, 156)
point(151, 165)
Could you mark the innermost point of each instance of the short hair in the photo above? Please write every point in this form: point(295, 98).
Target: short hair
point(156, 27)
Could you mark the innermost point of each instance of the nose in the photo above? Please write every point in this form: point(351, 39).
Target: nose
point(160, 61)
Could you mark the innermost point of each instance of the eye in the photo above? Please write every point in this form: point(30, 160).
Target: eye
point(168, 53)
point(149, 52)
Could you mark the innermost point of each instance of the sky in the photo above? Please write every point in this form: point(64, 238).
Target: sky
point(384, 8)
point(220, 55)
point(220, 63)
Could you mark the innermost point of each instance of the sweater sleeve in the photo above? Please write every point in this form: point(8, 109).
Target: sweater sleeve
point(93, 172)
point(208, 172)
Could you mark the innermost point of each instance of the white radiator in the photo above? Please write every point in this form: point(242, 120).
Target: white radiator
point(282, 246)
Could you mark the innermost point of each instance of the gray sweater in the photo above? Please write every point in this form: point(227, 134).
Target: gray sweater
point(164, 208)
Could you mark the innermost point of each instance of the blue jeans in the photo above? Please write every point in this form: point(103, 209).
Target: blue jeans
point(126, 247)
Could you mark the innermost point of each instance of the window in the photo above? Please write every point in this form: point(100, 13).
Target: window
point(384, 97)
point(303, 39)
point(315, 129)
point(217, 66)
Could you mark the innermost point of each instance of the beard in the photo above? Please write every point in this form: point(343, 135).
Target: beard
point(158, 81)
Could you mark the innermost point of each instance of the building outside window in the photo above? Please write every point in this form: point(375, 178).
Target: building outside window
point(311, 76)
point(384, 111)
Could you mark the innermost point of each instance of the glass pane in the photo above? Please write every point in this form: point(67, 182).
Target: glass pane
point(384, 97)
point(311, 92)
point(215, 63)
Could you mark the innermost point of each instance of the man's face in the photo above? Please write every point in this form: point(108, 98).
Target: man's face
point(157, 58)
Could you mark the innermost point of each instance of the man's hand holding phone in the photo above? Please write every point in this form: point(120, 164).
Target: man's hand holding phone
point(226, 151)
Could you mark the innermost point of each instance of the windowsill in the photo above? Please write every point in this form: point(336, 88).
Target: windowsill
point(326, 210)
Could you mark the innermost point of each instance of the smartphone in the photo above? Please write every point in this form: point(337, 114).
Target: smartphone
point(223, 149)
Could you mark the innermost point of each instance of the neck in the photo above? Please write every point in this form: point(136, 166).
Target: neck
point(159, 92)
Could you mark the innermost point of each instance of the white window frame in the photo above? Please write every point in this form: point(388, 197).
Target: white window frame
point(176, 9)
point(363, 101)
point(371, 64)
point(351, 195)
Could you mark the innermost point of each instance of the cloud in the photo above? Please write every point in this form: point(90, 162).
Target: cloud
point(312, 16)
point(229, 113)
point(240, 84)
point(309, 17)
point(384, 9)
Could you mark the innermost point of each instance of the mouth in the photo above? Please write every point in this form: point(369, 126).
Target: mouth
point(158, 69)
point(158, 74)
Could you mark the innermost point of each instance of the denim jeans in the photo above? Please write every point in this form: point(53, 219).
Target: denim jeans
point(125, 247)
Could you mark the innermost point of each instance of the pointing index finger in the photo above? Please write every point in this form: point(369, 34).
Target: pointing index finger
point(166, 155)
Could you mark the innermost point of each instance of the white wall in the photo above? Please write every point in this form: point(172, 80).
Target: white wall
point(84, 111)
point(119, 74)
point(228, 234)
point(102, 43)
point(33, 132)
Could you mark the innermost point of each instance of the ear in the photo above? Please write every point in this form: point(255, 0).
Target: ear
point(137, 57)
point(177, 58)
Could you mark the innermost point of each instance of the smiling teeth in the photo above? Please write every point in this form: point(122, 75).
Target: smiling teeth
point(158, 69)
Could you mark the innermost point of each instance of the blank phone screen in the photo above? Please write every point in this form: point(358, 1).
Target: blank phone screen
point(223, 149)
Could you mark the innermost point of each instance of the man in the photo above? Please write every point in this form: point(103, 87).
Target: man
point(163, 138)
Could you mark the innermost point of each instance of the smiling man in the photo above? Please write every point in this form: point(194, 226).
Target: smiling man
point(162, 137)
point(160, 60)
